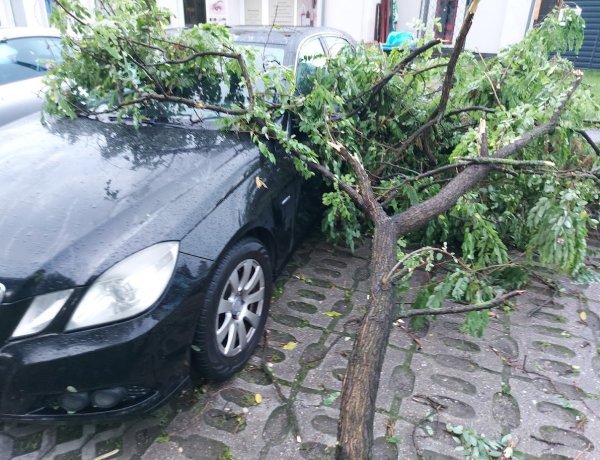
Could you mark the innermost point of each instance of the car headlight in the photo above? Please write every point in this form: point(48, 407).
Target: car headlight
point(127, 288)
point(41, 312)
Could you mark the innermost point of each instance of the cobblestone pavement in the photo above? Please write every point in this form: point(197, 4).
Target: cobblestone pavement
point(534, 374)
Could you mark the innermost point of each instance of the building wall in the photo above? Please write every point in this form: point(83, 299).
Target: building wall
point(22, 13)
point(6, 16)
point(498, 23)
point(488, 26)
point(518, 20)
point(356, 17)
point(409, 12)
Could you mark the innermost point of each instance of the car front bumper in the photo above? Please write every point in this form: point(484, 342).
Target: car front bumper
point(146, 358)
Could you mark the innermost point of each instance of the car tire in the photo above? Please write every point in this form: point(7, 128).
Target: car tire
point(234, 312)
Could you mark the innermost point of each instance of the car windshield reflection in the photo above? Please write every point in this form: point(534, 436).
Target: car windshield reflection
point(28, 57)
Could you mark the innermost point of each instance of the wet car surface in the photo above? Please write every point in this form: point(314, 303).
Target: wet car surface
point(25, 56)
point(131, 258)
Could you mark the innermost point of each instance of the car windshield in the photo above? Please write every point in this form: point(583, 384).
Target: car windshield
point(228, 93)
point(27, 57)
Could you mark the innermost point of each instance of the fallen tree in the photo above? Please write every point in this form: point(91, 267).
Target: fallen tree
point(470, 156)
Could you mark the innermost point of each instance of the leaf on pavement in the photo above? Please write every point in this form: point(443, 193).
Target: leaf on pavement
point(290, 346)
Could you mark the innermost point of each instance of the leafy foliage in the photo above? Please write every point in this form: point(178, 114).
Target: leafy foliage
point(541, 202)
point(476, 446)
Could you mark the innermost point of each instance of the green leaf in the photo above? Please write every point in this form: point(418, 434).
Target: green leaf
point(332, 314)
point(331, 398)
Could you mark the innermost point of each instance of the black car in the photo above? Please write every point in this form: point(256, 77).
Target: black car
point(132, 258)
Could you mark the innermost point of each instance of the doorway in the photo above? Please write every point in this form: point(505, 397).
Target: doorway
point(446, 11)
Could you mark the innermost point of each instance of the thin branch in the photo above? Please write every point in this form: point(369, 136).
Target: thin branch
point(391, 274)
point(175, 99)
point(474, 108)
point(486, 160)
point(351, 192)
point(369, 201)
point(394, 192)
point(489, 79)
point(464, 309)
point(447, 85)
point(197, 55)
point(399, 68)
point(413, 218)
point(75, 18)
point(484, 150)
point(136, 58)
point(589, 140)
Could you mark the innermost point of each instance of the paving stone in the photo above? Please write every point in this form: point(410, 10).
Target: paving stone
point(317, 433)
point(198, 447)
point(71, 455)
point(278, 426)
point(288, 370)
point(26, 444)
point(239, 396)
point(384, 450)
point(478, 382)
point(325, 424)
point(539, 409)
point(397, 379)
point(6, 447)
point(322, 376)
point(505, 410)
point(315, 450)
point(66, 433)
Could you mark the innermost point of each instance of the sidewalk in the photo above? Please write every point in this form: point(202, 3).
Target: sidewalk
point(535, 374)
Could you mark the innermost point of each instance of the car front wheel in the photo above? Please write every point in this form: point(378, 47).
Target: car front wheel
point(235, 311)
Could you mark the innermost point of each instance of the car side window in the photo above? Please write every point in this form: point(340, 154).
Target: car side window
point(335, 45)
point(310, 57)
point(23, 58)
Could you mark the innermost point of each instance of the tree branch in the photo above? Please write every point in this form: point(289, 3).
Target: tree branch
point(589, 140)
point(464, 309)
point(418, 215)
point(400, 67)
point(438, 112)
point(175, 99)
point(71, 15)
point(370, 203)
point(473, 108)
point(351, 192)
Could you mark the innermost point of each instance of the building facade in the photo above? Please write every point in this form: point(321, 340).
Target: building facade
point(357, 17)
point(498, 23)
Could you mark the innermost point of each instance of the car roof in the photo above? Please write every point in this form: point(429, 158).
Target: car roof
point(281, 35)
point(23, 32)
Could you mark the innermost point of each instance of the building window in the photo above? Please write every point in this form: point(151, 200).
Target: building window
point(49, 6)
point(194, 12)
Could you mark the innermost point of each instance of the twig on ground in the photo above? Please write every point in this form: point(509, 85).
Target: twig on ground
point(467, 308)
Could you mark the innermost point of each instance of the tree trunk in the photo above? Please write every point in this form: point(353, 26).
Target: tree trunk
point(361, 382)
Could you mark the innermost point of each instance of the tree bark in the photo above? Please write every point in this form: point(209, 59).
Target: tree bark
point(361, 381)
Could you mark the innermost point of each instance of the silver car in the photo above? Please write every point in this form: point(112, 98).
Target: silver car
point(26, 54)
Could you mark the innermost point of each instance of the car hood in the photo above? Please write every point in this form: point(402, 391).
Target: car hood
point(78, 195)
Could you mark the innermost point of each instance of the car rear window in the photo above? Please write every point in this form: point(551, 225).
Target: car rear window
point(29, 57)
